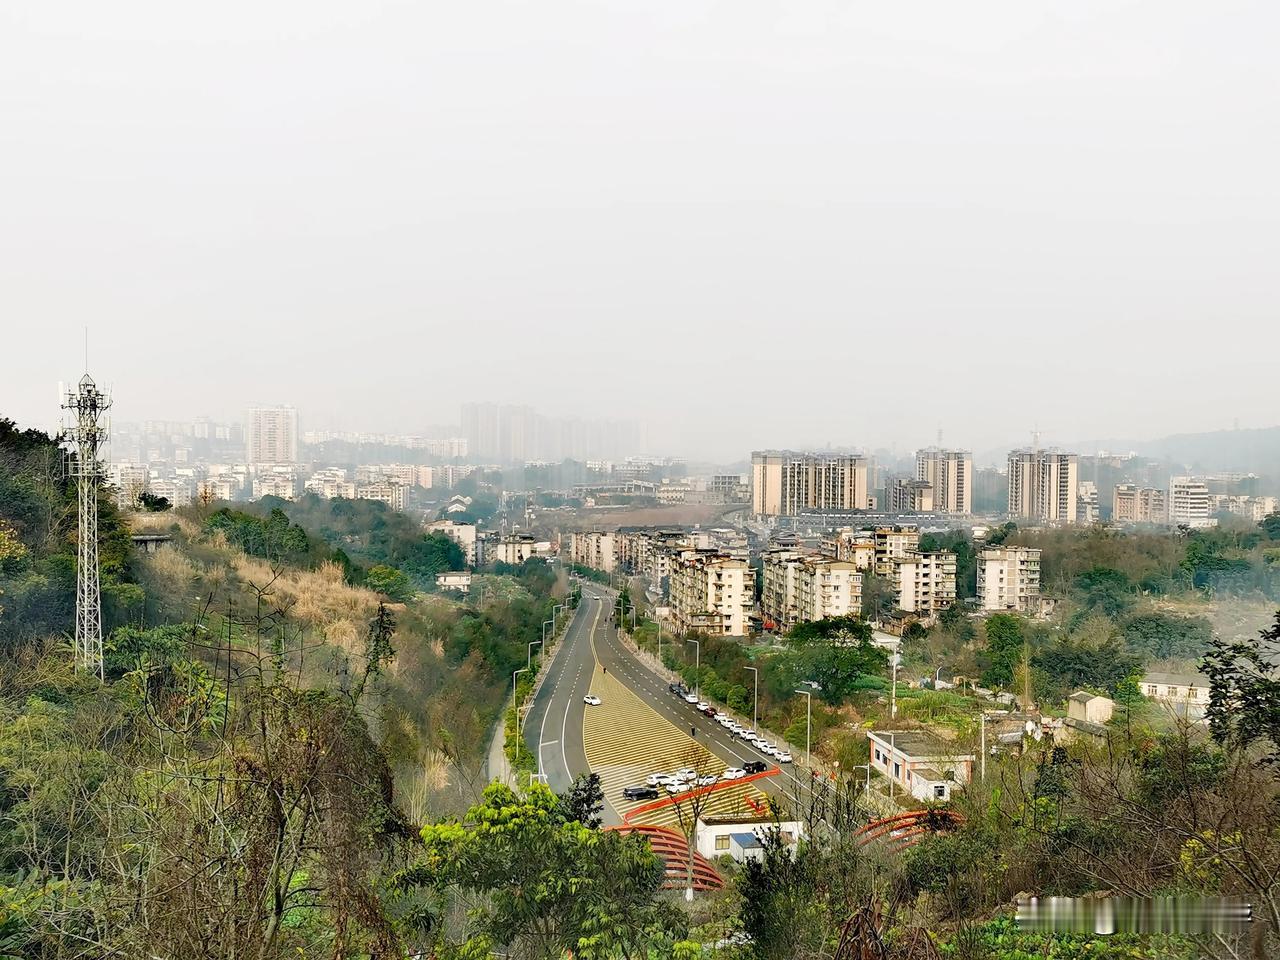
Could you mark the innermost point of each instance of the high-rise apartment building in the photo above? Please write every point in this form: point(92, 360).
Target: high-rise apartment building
point(950, 474)
point(1009, 578)
point(1133, 504)
point(271, 435)
point(784, 483)
point(1043, 486)
point(1189, 503)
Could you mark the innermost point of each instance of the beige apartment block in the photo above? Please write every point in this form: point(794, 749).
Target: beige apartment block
point(463, 534)
point(271, 435)
point(711, 593)
point(950, 474)
point(784, 483)
point(1133, 504)
point(924, 583)
point(909, 496)
point(893, 543)
point(1044, 486)
point(594, 549)
point(1009, 579)
point(1189, 503)
point(848, 543)
point(514, 549)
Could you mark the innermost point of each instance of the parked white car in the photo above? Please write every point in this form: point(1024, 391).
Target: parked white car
point(708, 780)
point(702, 704)
point(686, 773)
point(784, 756)
point(733, 773)
point(748, 735)
point(659, 779)
point(690, 698)
point(679, 787)
point(591, 700)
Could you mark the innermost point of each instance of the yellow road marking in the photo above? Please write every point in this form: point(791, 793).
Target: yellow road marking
point(625, 740)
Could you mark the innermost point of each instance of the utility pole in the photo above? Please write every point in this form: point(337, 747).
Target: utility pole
point(893, 693)
point(87, 406)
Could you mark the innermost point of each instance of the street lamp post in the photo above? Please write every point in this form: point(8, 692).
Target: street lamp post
point(697, 668)
point(867, 766)
point(893, 693)
point(529, 653)
point(515, 704)
point(755, 698)
point(554, 612)
point(808, 726)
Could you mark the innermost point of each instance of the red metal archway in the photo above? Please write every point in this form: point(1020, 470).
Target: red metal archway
point(672, 849)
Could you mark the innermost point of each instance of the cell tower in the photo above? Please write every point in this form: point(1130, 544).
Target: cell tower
point(87, 434)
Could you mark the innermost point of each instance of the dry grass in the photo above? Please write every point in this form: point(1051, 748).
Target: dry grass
point(162, 523)
point(319, 598)
point(171, 571)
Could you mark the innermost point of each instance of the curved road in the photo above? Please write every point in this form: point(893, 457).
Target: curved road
point(553, 726)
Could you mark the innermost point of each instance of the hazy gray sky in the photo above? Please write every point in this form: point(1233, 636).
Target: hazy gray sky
point(748, 223)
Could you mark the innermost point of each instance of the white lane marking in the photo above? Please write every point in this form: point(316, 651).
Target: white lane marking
point(564, 726)
point(548, 743)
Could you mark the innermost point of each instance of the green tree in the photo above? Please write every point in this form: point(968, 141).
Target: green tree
point(584, 801)
point(1244, 692)
point(1005, 640)
point(392, 583)
point(549, 883)
point(1164, 636)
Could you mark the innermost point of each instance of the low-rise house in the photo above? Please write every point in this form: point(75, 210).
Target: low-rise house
point(457, 580)
point(920, 763)
point(1186, 694)
point(1087, 715)
point(742, 837)
point(513, 549)
point(463, 534)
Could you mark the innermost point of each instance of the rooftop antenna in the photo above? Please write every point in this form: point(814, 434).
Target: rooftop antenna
point(86, 433)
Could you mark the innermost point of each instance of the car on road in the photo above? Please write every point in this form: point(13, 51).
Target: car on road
point(690, 698)
point(748, 735)
point(754, 766)
point(733, 773)
point(784, 756)
point(708, 780)
point(686, 773)
point(659, 779)
point(703, 705)
point(736, 728)
point(640, 793)
point(680, 787)
point(769, 748)
point(709, 711)
point(591, 700)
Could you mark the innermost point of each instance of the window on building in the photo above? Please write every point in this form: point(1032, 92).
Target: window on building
point(897, 770)
point(940, 791)
point(722, 842)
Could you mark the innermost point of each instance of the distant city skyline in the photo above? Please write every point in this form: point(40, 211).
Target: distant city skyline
point(745, 226)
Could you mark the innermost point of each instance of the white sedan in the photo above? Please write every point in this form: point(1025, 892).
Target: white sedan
point(748, 735)
point(733, 773)
point(686, 773)
point(690, 698)
point(784, 756)
point(659, 779)
point(679, 787)
point(708, 780)
point(591, 700)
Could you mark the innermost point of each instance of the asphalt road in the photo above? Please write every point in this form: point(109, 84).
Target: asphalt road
point(553, 726)
point(619, 660)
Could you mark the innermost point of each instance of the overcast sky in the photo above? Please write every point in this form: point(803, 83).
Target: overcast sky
point(746, 223)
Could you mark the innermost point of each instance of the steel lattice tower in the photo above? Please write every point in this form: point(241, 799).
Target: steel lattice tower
point(87, 433)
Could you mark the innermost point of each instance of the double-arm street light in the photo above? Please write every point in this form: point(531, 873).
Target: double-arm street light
point(755, 698)
point(808, 725)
